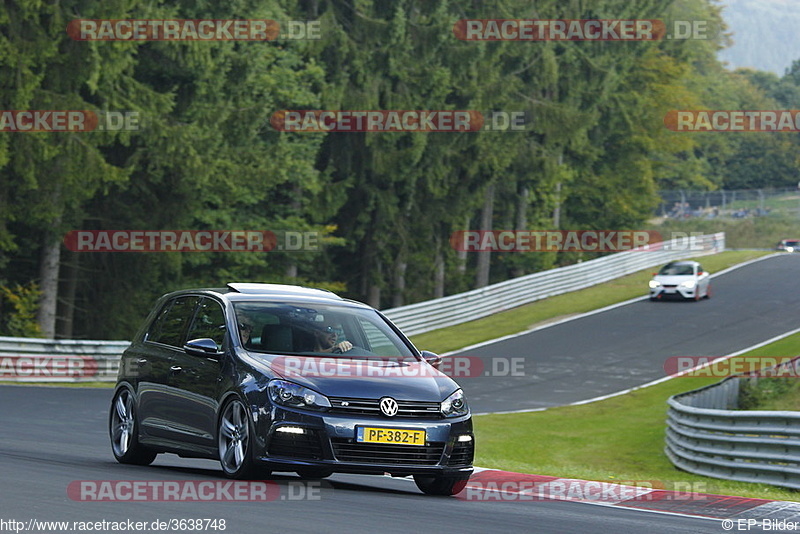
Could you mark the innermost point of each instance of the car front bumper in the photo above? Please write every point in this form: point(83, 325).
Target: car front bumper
point(328, 441)
point(676, 292)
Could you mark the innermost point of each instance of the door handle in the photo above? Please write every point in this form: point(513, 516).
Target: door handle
point(175, 369)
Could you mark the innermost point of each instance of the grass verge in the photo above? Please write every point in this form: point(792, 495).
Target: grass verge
point(617, 439)
point(531, 315)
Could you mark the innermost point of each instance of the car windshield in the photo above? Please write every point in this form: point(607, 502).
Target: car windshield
point(676, 269)
point(790, 242)
point(316, 330)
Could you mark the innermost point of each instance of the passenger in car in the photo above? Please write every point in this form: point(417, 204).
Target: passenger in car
point(245, 330)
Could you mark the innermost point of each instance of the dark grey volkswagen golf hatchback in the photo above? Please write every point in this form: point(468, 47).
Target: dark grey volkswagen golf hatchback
point(266, 377)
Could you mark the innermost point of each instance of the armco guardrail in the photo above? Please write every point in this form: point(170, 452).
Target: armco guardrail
point(47, 360)
point(43, 360)
point(708, 436)
point(456, 309)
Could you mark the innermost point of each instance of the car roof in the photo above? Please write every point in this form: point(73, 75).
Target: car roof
point(281, 290)
point(245, 291)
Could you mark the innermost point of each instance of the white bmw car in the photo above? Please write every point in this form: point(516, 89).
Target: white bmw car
point(681, 279)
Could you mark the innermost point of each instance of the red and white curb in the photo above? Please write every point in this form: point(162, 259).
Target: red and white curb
point(505, 486)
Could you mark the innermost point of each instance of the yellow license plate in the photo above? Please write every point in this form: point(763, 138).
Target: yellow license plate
point(393, 436)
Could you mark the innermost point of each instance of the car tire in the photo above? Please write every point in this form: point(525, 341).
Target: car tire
point(123, 431)
point(708, 292)
point(432, 485)
point(235, 441)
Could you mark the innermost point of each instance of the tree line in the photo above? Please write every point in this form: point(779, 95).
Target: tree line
point(592, 154)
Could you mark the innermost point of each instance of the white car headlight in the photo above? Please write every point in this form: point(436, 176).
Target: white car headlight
point(455, 405)
point(297, 396)
point(654, 284)
point(689, 284)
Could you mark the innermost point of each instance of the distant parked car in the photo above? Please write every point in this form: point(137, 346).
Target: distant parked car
point(266, 377)
point(681, 279)
point(789, 245)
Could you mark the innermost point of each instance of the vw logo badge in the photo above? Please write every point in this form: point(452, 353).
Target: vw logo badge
point(388, 406)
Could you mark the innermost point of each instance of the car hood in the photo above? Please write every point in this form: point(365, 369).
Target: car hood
point(364, 378)
point(674, 279)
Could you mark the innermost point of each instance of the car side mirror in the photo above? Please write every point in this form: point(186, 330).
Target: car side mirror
point(433, 359)
point(204, 347)
point(699, 273)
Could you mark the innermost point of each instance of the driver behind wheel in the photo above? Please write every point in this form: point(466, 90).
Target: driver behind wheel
point(327, 341)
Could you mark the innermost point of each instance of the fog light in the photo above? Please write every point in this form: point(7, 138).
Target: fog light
point(290, 429)
point(464, 437)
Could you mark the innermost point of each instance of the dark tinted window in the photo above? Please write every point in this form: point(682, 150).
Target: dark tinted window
point(209, 321)
point(168, 328)
point(301, 328)
point(673, 269)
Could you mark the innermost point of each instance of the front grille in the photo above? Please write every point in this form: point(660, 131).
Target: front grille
point(670, 286)
point(347, 450)
point(463, 453)
point(412, 409)
point(303, 446)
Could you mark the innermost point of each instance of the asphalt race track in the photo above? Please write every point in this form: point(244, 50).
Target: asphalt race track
point(627, 346)
point(53, 438)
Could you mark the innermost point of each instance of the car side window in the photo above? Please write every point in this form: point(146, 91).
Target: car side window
point(168, 328)
point(378, 342)
point(209, 321)
point(699, 269)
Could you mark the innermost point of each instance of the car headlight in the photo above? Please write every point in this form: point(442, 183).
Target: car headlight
point(654, 284)
point(689, 284)
point(455, 405)
point(296, 396)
